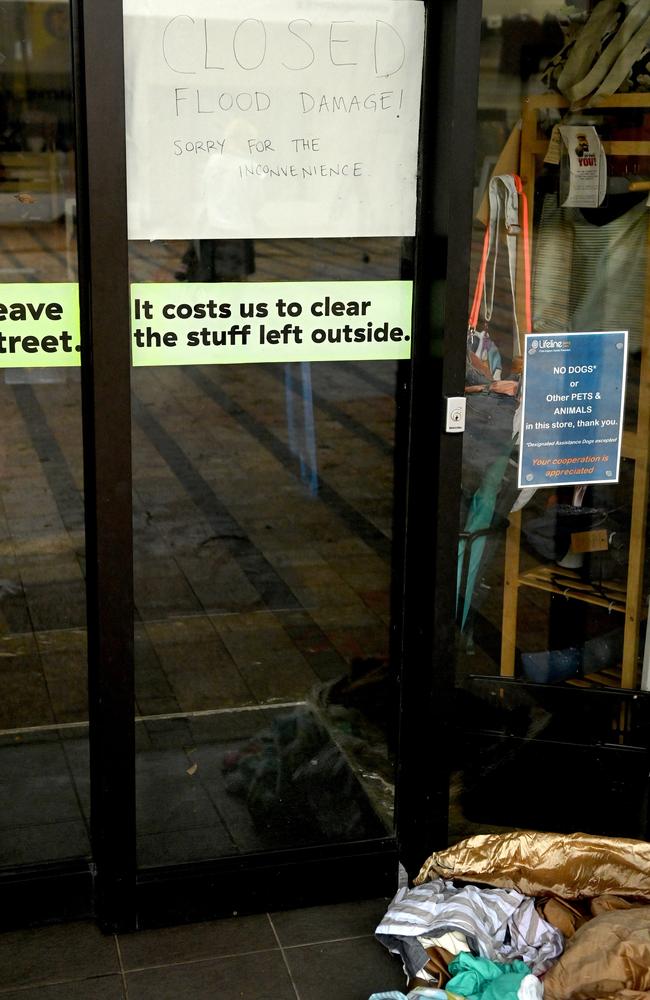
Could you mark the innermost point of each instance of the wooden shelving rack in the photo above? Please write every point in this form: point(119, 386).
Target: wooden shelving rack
point(624, 599)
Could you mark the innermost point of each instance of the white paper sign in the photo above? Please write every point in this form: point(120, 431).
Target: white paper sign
point(587, 166)
point(297, 119)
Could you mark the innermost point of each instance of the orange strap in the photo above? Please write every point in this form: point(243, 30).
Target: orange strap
point(480, 281)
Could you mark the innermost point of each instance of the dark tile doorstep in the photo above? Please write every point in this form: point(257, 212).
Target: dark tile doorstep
point(310, 954)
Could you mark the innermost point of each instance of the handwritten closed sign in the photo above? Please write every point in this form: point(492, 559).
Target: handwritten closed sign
point(299, 120)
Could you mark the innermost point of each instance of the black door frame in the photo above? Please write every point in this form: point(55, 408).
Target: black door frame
point(427, 472)
point(106, 408)
point(448, 137)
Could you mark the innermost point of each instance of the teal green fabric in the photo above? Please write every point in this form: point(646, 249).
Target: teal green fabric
point(480, 979)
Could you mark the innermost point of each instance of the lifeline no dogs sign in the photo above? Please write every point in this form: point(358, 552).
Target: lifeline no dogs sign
point(572, 408)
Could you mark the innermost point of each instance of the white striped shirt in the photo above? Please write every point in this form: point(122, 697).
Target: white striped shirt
point(499, 924)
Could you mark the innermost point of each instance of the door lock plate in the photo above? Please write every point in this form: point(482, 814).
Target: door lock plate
point(455, 416)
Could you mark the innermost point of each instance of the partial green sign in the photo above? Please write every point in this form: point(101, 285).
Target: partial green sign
point(246, 323)
point(39, 325)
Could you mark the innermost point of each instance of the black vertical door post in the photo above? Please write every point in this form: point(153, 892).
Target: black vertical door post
point(447, 148)
point(104, 302)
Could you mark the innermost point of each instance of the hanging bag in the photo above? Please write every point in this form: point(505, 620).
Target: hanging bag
point(488, 486)
point(483, 360)
point(491, 398)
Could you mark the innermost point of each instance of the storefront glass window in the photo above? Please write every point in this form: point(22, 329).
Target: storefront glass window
point(43, 688)
point(552, 589)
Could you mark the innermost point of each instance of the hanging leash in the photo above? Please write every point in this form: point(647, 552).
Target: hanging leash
point(508, 201)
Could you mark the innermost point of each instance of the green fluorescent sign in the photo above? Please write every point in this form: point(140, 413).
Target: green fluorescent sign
point(39, 325)
point(218, 323)
point(244, 323)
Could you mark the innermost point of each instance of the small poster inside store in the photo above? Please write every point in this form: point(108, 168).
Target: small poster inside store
point(584, 184)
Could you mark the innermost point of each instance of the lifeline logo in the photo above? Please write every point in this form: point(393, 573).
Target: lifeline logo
point(546, 345)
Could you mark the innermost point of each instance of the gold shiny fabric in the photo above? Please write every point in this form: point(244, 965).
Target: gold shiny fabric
point(570, 917)
point(566, 866)
point(565, 917)
point(607, 957)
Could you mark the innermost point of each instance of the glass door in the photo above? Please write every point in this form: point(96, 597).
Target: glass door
point(550, 684)
point(265, 342)
point(43, 676)
point(272, 188)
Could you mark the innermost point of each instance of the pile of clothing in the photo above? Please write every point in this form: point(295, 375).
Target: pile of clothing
point(524, 915)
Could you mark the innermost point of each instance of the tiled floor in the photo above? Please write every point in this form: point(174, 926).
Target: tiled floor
point(320, 953)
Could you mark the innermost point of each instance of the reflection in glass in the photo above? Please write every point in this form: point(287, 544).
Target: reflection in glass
point(263, 505)
point(43, 691)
